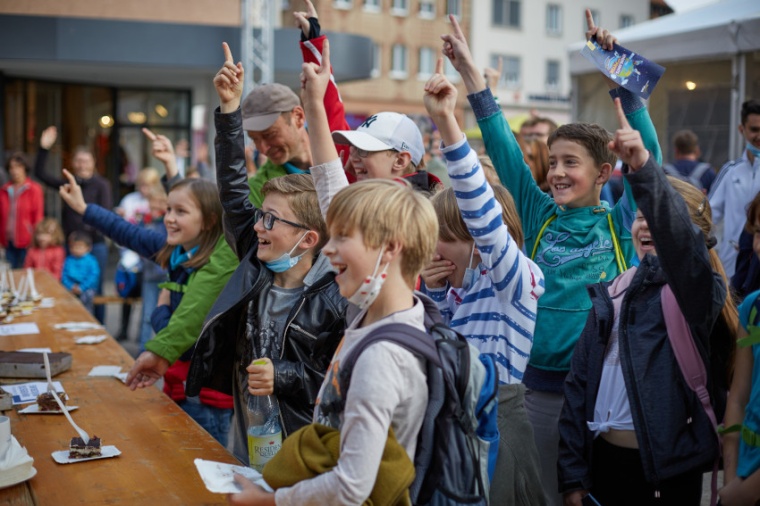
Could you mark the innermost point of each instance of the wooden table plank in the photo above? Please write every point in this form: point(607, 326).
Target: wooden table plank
point(158, 441)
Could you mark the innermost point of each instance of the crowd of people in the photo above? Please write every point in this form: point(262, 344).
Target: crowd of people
point(563, 254)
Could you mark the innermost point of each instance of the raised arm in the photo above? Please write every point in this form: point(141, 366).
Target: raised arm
point(163, 150)
point(47, 139)
point(231, 175)
point(327, 172)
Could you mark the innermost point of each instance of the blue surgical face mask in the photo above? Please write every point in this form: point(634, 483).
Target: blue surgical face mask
point(286, 261)
point(752, 149)
point(471, 274)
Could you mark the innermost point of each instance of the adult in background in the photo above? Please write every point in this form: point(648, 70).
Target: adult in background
point(21, 208)
point(736, 185)
point(687, 165)
point(95, 189)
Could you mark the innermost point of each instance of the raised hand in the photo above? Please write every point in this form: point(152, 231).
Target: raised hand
point(603, 37)
point(455, 48)
point(302, 18)
point(492, 75)
point(229, 82)
point(627, 143)
point(440, 95)
point(48, 137)
point(71, 193)
point(163, 150)
point(315, 78)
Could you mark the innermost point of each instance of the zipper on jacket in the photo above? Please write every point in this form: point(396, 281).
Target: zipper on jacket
point(282, 354)
point(623, 331)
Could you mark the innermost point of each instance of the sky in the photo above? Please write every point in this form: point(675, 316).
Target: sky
point(685, 5)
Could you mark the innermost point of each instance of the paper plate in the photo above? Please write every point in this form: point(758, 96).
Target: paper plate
point(62, 457)
point(34, 409)
point(31, 475)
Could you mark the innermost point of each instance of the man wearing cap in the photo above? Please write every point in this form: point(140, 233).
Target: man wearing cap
point(388, 145)
point(274, 119)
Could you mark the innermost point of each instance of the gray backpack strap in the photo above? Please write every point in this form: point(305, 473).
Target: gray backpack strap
point(699, 171)
point(671, 170)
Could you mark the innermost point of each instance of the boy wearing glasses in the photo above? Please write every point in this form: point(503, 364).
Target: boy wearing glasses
point(388, 145)
point(281, 307)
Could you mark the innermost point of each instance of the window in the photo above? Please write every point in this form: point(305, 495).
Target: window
point(554, 19)
point(510, 74)
point(427, 63)
point(450, 71)
point(626, 21)
point(372, 5)
point(506, 13)
point(284, 4)
point(552, 74)
point(597, 19)
point(427, 9)
point(398, 62)
point(454, 7)
point(400, 7)
point(342, 4)
point(376, 61)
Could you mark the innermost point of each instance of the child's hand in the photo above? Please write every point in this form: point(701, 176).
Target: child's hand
point(603, 37)
point(229, 82)
point(627, 144)
point(440, 95)
point(455, 46)
point(435, 273)
point(250, 495)
point(492, 75)
point(48, 137)
point(146, 370)
point(261, 378)
point(71, 193)
point(302, 18)
point(314, 80)
point(76, 290)
point(575, 498)
point(163, 150)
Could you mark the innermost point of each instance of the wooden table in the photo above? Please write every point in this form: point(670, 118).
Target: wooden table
point(157, 440)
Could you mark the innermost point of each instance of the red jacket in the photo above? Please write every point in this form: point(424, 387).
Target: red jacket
point(48, 259)
point(29, 212)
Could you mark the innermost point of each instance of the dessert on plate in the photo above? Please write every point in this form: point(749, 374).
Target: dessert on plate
point(78, 449)
point(46, 402)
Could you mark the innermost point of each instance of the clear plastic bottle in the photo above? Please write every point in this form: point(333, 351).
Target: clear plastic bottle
point(264, 431)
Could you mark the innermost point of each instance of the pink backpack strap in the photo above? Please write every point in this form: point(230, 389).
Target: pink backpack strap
point(692, 366)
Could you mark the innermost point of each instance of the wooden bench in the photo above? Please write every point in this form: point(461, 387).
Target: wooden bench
point(115, 299)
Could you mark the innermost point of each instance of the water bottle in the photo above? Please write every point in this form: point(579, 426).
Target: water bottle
point(264, 431)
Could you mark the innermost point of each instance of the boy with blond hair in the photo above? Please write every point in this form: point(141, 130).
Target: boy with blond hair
point(382, 234)
point(574, 238)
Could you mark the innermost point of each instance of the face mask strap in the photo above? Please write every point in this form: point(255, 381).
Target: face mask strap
point(472, 255)
point(290, 253)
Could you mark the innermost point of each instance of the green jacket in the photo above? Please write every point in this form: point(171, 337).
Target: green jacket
point(575, 249)
point(266, 172)
point(202, 289)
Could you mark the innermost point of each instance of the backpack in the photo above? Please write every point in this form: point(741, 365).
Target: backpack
point(459, 439)
point(692, 368)
point(694, 178)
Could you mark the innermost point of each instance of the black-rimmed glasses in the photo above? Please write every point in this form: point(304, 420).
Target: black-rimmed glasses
point(268, 219)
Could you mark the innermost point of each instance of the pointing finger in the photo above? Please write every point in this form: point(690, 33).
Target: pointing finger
point(69, 177)
point(227, 53)
point(150, 135)
point(621, 115)
point(456, 28)
point(439, 66)
point(589, 19)
point(310, 9)
point(326, 56)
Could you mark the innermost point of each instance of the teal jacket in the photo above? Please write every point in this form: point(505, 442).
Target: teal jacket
point(573, 247)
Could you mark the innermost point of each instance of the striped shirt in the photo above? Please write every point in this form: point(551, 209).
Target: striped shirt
point(497, 314)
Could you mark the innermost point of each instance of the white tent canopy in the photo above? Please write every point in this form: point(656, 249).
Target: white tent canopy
point(721, 29)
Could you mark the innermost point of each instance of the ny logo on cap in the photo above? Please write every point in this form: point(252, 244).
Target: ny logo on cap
point(368, 121)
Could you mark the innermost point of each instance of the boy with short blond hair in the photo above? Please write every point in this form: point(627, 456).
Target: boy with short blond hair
point(382, 233)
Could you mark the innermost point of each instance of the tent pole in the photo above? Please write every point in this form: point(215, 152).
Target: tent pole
point(738, 94)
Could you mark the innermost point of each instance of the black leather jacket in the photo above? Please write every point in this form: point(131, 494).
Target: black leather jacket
point(314, 326)
point(672, 429)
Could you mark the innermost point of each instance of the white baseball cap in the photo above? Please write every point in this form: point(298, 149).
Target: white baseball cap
point(383, 131)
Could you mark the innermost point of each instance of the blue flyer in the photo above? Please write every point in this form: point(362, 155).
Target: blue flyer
point(630, 70)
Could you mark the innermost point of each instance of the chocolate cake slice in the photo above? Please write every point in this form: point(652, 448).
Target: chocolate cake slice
point(79, 450)
point(46, 402)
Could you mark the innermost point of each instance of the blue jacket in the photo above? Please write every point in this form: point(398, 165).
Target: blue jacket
point(83, 271)
point(672, 429)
